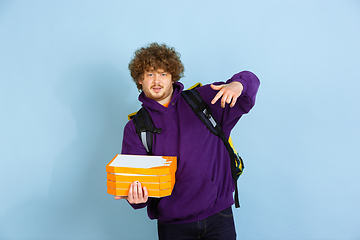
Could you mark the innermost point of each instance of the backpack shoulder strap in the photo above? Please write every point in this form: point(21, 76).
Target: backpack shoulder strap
point(202, 110)
point(145, 129)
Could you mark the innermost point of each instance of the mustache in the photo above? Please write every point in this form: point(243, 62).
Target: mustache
point(157, 85)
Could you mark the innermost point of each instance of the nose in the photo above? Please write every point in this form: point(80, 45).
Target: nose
point(156, 77)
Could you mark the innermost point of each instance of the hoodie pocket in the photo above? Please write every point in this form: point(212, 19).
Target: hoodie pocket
point(190, 197)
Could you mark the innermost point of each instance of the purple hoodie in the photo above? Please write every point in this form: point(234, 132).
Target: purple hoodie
point(204, 185)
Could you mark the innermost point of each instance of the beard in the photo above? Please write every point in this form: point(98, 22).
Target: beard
point(159, 93)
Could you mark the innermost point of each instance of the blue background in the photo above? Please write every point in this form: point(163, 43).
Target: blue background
point(65, 94)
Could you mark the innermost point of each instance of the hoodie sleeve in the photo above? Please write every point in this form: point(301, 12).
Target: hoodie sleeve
point(228, 117)
point(131, 142)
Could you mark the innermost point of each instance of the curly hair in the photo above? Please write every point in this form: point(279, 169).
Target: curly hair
point(156, 56)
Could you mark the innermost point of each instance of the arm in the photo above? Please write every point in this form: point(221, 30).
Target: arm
point(231, 91)
point(138, 195)
point(131, 143)
point(231, 99)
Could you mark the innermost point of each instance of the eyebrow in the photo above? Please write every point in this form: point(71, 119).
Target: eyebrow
point(153, 70)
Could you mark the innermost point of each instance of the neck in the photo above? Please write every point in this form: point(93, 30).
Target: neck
point(166, 100)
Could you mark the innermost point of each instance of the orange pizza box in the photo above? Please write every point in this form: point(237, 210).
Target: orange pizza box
point(149, 186)
point(156, 173)
point(139, 164)
point(118, 177)
point(151, 193)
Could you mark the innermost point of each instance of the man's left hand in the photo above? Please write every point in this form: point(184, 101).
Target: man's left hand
point(228, 93)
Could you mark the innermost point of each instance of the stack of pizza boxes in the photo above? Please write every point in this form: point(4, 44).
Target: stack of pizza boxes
point(156, 173)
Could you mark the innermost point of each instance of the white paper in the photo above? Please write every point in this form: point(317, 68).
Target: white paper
point(134, 174)
point(138, 161)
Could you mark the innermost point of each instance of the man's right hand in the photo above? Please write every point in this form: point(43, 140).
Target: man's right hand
point(137, 194)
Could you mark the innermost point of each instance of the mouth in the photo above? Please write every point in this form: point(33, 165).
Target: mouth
point(156, 89)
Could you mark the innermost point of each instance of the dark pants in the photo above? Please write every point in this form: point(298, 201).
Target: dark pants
point(218, 226)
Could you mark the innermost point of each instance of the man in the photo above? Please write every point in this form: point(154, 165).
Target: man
point(200, 204)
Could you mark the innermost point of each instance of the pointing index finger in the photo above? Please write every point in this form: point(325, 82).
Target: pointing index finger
point(217, 96)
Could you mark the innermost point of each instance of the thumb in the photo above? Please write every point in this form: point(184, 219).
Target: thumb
point(119, 197)
point(216, 87)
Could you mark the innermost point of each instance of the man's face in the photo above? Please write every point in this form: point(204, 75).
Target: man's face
point(157, 85)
